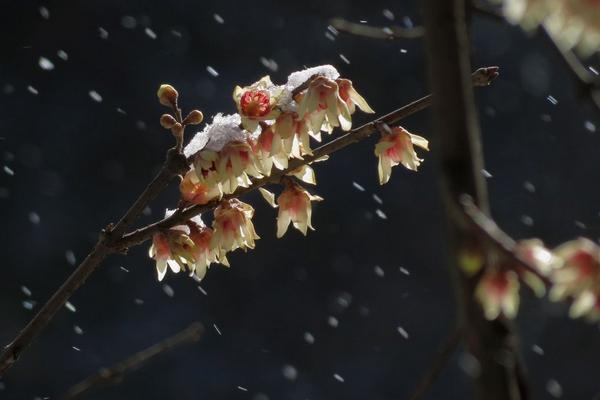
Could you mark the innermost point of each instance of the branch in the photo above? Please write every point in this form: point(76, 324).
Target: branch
point(460, 158)
point(113, 240)
point(440, 360)
point(390, 33)
point(117, 372)
point(488, 228)
point(481, 77)
point(173, 166)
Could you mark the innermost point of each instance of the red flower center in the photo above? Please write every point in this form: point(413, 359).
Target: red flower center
point(255, 103)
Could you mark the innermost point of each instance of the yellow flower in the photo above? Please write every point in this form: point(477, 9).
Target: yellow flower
point(203, 252)
point(397, 148)
point(198, 191)
point(498, 293)
point(233, 228)
point(257, 102)
point(322, 103)
point(172, 248)
point(294, 206)
point(351, 97)
point(234, 163)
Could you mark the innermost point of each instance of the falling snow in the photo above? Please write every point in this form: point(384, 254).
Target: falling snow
point(201, 289)
point(377, 199)
point(168, 290)
point(70, 307)
point(332, 321)
point(344, 59)
point(388, 14)
point(8, 171)
point(26, 291)
point(217, 329)
point(380, 214)
point(128, 22)
point(358, 186)
point(338, 378)
point(537, 350)
point(289, 372)
point(70, 256)
point(34, 218)
point(32, 90)
point(218, 18)
point(402, 332)
point(45, 64)
point(212, 71)
point(44, 12)
point(62, 55)
point(28, 304)
point(554, 388)
point(309, 338)
point(552, 100)
point(379, 271)
point(150, 33)
point(77, 330)
point(95, 96)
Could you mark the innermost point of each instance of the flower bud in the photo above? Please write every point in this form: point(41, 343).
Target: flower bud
point(167, 95)
point(193, 118)
point(177, 129)
point(167, 121)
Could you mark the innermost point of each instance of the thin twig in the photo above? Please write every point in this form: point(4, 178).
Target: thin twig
point(438, 364)
point(173, 166)
point(374, 32)
point(481, 77)
point(116, 373)
point(501, 241)
point(113, 240)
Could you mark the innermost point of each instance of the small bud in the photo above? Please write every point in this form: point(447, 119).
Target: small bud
point(177, 129)
point(167, 121)
point(167, 95)
point(193, 118)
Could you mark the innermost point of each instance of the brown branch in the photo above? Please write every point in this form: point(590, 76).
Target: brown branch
point(481, 77)
point(113, 239)
point(117, 372)
point(457, 145)
point(488, 228)
point(373, 32)
point(174, 165)
point(441, 359)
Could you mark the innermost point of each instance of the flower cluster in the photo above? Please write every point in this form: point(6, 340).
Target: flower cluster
point(273, 124)
point(573, 23)
point(571, 271)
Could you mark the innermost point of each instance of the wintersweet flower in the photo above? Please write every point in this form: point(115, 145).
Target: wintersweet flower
point(352, 97)
point(198, 191)
point(234, 163)
point(397, 147)
point(294, 206)
point(322, 102)
point(535, 253)
point(232, 227)
point(498, 293)
point(203, 251)
point(578, 277)
point(172, 248)
point(257, 102)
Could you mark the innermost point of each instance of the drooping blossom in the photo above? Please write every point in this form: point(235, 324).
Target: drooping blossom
point(322, 103)
point(234, 163)
point(397, 147)
point(578, 277)
point(498, 292)
point(232, 227)
point(203, 251)
point(172, 248)
point(352, 97)
point(294, 206)
point(198, 191)
point(257, 102)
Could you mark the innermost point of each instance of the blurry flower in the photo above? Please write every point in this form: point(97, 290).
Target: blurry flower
point(232, 227)
point(294, 206)
point(498, 293)
point(572, 23)
point(351, 97)
point(578, 277)
point(257, 102)
point(172, 248)
point(397, 148)
point(198, 191)
point(536, 254)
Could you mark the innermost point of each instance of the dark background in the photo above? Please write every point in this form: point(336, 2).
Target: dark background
point(79, 163)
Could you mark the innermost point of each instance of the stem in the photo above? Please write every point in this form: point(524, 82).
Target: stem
point(460, 160)
point(113, 240)
point(117, 372)
point(174, 164)
point(375, 32)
